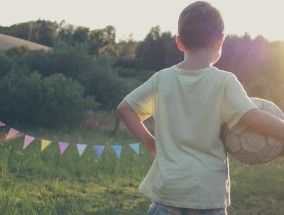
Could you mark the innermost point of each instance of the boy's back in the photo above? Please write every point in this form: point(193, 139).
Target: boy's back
point(189, 107)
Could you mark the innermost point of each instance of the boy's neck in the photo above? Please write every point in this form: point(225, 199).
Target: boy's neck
point(197, 59)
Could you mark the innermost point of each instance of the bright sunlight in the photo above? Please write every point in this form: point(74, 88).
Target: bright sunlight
point(136, 18)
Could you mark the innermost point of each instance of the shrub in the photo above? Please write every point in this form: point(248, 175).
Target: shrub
point(28, 98)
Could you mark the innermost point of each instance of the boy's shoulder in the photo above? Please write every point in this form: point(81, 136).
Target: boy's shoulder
point(212, 73)
point(166, 72)
point(211, 70)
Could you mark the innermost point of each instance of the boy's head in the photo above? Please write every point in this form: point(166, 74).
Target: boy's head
point(200, 25)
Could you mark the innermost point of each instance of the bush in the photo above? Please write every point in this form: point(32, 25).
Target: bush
point(104, 82)
point(5, 64)
point(28, 98)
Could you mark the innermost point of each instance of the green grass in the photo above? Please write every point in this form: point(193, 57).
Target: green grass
point(35, 182)
point(257, 190)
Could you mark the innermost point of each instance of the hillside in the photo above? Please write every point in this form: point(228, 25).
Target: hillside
point(7, 42)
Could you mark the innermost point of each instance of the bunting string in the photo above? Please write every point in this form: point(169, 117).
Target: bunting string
point(63, 146)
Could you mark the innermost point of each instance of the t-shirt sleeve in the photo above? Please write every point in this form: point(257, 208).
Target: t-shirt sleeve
point(141, 100)
point(236, 102)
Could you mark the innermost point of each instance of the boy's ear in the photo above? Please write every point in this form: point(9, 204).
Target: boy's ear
point(220, 41)
point(179, 44)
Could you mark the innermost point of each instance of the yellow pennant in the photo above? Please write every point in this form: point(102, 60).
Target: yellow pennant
point(44, 144)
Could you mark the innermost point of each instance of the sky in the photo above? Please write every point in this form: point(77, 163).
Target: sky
point(137, 17)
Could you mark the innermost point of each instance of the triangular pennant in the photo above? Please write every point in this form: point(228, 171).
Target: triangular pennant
point(99, 150)
point(135, 147)
point(2, 124)
point(81, 148)
point(12, 133)
point(27, 141)
point(44, 144)
point(117, 149)
point(63, 146)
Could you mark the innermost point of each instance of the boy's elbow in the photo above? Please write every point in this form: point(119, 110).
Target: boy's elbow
point(119, 108)
point(122, 107)
point(259, 119)
point(250, 117)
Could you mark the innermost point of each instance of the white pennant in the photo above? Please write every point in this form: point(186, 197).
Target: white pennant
point(81, 148)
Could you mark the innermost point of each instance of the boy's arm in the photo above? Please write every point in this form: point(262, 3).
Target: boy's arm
point(264, 122)
point(133, 122)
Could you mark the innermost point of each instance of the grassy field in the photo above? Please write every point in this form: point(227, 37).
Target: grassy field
point(35, 182)
point(8, 42)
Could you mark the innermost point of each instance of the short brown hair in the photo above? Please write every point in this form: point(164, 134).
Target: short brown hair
point(200, 25)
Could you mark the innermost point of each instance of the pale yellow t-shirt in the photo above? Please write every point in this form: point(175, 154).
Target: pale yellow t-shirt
point(190, 169)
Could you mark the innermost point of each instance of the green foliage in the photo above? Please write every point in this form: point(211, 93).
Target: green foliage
point(5, 64)
point(18, 30)
point(40, 31)
point(126, 50)
point(33, 100)
point(64, 102)
point(72, 61)
point(103, 81)
point(15, 52)
point(101, 41)
point(43, 32)
point(81, 35)
point(156, 51)
point(20, 96)
point(42, 88)
point(37, 60)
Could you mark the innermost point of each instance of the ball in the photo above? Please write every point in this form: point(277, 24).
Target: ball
point(249, 146)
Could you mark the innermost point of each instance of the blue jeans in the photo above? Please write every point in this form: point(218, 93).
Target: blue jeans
point(159, 209)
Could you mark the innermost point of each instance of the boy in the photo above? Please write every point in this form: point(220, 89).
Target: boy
point(189, 102)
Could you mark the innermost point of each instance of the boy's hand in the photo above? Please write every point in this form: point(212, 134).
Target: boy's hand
point(151, 147)
point(149, 142)
point(133, 122)
point(153, 151)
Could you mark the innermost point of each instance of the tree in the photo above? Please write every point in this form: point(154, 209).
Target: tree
point(6, 64)
point(71, 60)
point(64, 101)
point(40, 31)
point(81, 35)
point(28, 98)
point(37, 60)
point(157, 51)
point(126, 50)
point(102, 41)
point(65, 33)
point(43, 32)
point(103, 82)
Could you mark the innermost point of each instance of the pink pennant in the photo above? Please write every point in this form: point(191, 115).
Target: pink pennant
point(27, 141)
point(12, 133)
point(2, 124)
point(63, 146)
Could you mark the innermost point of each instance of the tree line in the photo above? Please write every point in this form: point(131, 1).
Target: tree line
point(88, 70)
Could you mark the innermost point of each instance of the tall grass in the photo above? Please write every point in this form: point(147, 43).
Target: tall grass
point(35, 182)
